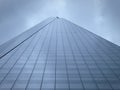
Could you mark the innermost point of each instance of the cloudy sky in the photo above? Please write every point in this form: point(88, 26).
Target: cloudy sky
point(98, 16)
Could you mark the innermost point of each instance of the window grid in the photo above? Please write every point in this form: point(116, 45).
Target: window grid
point(64, 56)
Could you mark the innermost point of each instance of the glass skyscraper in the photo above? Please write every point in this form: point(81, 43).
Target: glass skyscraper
point(59, 55)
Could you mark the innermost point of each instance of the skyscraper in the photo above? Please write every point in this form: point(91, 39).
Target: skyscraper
point(59, 55)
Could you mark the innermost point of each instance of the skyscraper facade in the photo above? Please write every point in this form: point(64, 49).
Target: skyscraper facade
point(59, 55)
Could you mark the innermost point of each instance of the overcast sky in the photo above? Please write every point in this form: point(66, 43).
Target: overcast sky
point(98, 16)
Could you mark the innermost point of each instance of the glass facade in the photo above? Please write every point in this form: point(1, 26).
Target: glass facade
point(61, 56)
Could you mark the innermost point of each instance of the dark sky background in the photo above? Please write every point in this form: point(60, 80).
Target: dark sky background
point(98, 16)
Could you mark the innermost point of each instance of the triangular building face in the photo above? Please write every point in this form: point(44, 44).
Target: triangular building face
point(59, 55)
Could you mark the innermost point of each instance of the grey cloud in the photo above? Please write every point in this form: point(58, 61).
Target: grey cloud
point(98, 16)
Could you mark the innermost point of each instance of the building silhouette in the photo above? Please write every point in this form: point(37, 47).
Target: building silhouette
point(59, 55)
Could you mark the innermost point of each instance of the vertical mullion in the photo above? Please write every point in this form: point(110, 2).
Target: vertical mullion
point(73, 54)
point(104, 62)
point(56, 51)
point(51, 32)
point(65, 56)
point(99, 44)
point(16, 61)
point(38, 41)
point(24, 64)
point(16, 50)
point(83, 56)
